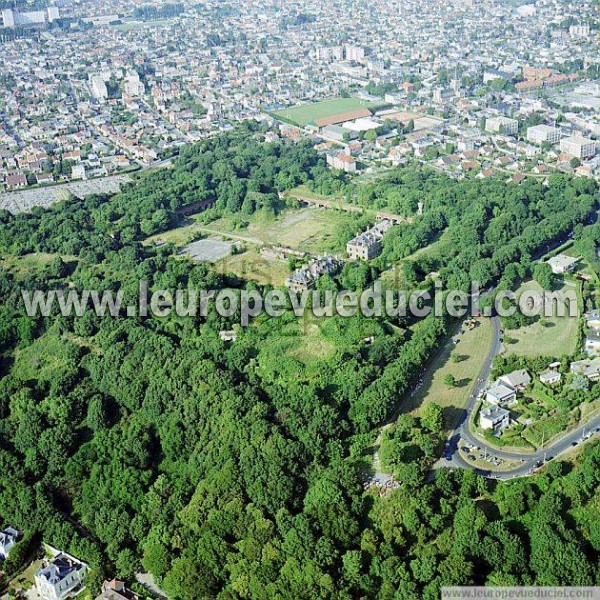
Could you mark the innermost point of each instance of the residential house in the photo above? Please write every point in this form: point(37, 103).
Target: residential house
point(60, 578)
point(561, 263)
point(501, 395)
point(592, 343)
point(494, 418)
point(15, 181)
point(116, 590)
point(592, 320)
point(590, 368)
point(343, 162)
point(78, 172)
point(517, 380)
point(8, 538)
point(550, 377)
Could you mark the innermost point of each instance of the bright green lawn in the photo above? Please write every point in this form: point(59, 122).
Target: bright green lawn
point(549, 336)
point(302, 115)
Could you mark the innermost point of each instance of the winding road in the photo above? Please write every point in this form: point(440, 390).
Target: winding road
point(530, 461)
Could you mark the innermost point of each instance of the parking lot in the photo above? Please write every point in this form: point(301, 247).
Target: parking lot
point(207, 250)
point(23, 201)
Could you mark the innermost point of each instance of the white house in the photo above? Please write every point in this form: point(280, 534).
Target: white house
point(495, 418)
point(561, 263)
point(501, 395)
point(8, 538)
point(78, 172)
point(61, 578)
point(550, 377)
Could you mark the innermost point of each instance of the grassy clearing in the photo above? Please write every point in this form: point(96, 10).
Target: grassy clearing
point(549, 336)
point(471, 352)
point(24, 580)
point(21, 266)
point(302, 341)
point(302, 115)
point(42, 360)
point(309, 230)
point(250, 265)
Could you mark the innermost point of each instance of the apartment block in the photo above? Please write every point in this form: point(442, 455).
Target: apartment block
point(540, 134)
point(502, 125)
point(579, 147)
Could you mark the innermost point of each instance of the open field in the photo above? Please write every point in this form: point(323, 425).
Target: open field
point(21, 266)
point(302, 115)
point(302, 341)
point(310, 230)
point(250, 265)
point(470, 352)
point(549, 336)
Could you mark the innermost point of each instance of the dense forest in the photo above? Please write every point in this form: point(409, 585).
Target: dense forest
point(235, 470)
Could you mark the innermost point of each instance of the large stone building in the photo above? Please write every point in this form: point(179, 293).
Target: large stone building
point(367, 245)
point(306, 277)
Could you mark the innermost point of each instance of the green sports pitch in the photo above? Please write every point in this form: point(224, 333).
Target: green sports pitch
point(304, 114)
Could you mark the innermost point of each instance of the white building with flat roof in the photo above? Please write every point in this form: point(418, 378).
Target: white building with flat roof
point(501, 395)
point(540, 134)
point(502, 125)
point(494, 418)
point(561, 263)
point(578, 146)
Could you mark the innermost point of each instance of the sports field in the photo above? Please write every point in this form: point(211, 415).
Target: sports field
point(302, 115)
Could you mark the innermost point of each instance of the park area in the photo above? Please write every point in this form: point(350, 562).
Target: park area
point(462, 361)
point(307, 113)
point(316, 231)
point(547, 336)
point(311, 230)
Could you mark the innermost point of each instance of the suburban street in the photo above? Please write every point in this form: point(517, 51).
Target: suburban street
point(530, 461)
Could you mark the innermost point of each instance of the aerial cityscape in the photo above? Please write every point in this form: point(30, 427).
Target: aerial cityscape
point(299, 299)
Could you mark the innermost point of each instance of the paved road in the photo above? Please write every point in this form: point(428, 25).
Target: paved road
point(529, 460)
point(425, 374)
